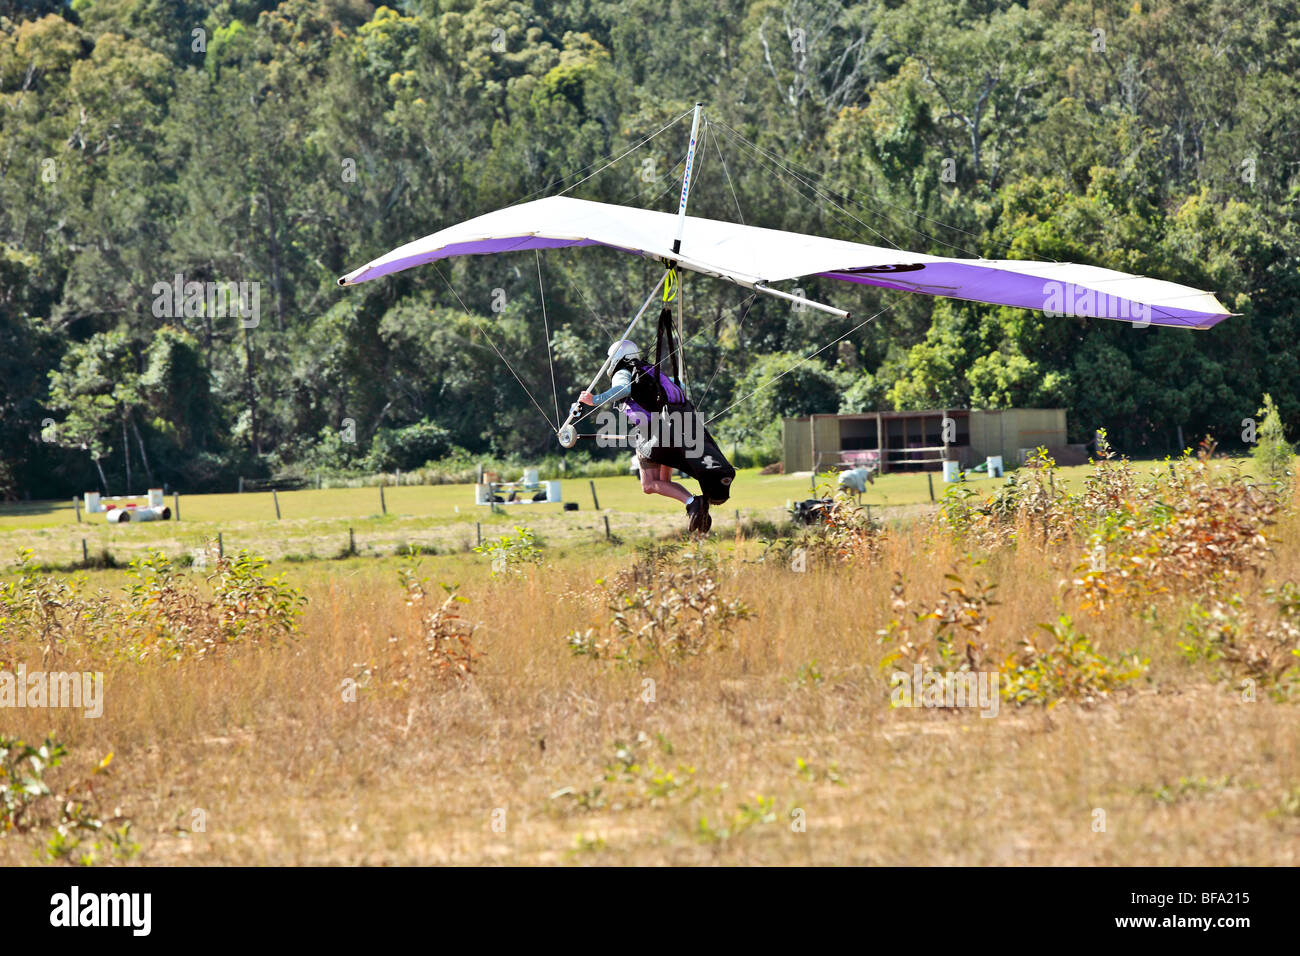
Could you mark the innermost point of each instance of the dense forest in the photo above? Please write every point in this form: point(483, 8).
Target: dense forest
point(152, 143)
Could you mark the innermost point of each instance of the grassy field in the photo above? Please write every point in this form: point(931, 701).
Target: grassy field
point(775, 740)
point(316, 523)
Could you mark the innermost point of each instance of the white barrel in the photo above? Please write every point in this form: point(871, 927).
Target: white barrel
point(93, 504)
point(530, 477)
point(131, 515)
point(482, 496)
point(155, 498)
point(553, 491)
point(952, 471)
point(995, 466)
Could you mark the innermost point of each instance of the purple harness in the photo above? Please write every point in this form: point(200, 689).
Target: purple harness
point(644, 378)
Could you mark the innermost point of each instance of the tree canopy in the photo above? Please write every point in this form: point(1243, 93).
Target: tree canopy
point(146, 145)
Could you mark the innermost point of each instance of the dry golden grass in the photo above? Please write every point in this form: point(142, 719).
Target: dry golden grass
point(288, 771)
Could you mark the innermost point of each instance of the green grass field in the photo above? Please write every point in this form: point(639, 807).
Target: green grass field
point(321, 524)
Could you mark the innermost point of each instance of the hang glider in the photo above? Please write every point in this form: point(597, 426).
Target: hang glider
point(754, 257)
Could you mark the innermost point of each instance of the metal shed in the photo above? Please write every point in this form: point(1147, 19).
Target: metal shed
point(918, 440)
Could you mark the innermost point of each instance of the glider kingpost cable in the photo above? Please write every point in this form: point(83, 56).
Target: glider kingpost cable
point(626, 152)
point(744, 314)
point(780, 168)
point(790, 166)
point(727, 173)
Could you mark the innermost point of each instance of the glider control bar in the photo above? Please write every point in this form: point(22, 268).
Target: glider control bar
point(566, 433)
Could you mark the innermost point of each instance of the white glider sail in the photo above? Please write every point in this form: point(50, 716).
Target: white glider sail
point(753, 257)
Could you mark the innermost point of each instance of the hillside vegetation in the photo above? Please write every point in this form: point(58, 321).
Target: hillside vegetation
point(146, 143)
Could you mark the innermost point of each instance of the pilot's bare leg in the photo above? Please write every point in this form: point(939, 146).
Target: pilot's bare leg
point(657, 479)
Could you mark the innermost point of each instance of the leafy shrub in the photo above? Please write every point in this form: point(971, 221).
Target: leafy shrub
point(511, 553)
point(1260, 644)
point(944, 635)
point(631, 780)
point(1273, 454)
point(1066, 668)
point(758, 812)
point(52, 611)
point(67, 817)
point(166, 612)
point(665, 612)
point(438, 648)
point(1186, 530)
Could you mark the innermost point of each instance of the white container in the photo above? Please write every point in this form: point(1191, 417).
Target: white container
point(130, 515)
point(530, 477)
point(93, 504)
point(995, 466)
point(482, 495)
point(553, 491)
point(952, 471)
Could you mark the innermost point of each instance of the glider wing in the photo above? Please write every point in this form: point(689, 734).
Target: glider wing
point(752, 256)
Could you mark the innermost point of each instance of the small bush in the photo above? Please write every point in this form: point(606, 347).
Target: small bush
point(944, 635)
point(440, 647)
point(1261, 644)
point(511, 553)
point(1273, 454)
point(1067, 667)
point(166, 613)
point(665, 612)
point(74, 830)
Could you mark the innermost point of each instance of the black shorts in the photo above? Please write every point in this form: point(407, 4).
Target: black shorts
point(701, 460)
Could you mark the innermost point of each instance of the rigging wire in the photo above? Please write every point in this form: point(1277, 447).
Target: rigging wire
point(546, 325)
point(723, 159)
point(812, 188)
point(875, 206)
point(806, 358)
point(605, 326)
point(489, 341)
point(744, 314)
point(632, 149)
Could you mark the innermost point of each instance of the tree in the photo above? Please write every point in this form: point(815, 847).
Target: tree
point(1272, 452)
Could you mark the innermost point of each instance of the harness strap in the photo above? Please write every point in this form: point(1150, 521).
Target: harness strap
point(668, 356)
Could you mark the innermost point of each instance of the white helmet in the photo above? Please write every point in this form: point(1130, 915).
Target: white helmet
point(623, 348)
